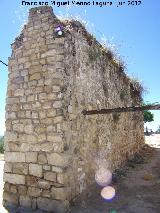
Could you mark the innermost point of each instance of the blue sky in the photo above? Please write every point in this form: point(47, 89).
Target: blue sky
point(134, 30)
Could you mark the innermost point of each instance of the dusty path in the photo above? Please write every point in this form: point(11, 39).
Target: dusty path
point(137, 192)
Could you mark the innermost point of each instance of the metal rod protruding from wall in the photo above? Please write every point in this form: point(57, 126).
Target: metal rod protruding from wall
point(122, 109)
point(4, 63)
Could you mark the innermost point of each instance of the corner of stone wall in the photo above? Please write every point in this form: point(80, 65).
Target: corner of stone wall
point(36, 163)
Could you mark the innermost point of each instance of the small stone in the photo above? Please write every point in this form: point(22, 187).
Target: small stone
point(51, 113)
point(46, 193)
point(13, 189)
point(28, 129)
point(56, 88)
point(34, 192)
point(31, 181)
point(42, 159)
point(10, 198)
point(42, 96)
point(57, 104)
point(35, 76)
point(44, 184)
point(62, 178)
point(48, 53)
point(46, 168)
point(20, 168)
point(18, 127)
point(57, 169)
point(50, 176)
point(35, 170)
point(25, 201)
point(55, 139)
point(31, 157)
point(58, 119)
point(30, 98)
point(7, 167)
point(6, 187)
point(59, 193)
point(56, 159)
point(10, 136)
point(22, 190)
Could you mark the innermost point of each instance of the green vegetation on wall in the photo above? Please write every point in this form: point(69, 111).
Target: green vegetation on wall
point(2, 145)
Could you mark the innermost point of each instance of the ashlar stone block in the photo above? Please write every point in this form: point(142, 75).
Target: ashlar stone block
point(14, 178)
point(14, 157)
point(35, 170)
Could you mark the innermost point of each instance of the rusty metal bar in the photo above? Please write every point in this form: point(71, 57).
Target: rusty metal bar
point(122, 109)
point(3, 63)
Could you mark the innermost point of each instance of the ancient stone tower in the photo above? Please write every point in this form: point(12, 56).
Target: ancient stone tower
point(51, 148)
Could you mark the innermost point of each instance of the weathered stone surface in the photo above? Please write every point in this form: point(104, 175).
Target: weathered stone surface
point(34, 203)
point(12, 100)
point(63, 178)
point(34, 192)
point(10, 136)
point(51, 113)
point(54, 138)
point(35, 170)
point(31, 180)
point(58, 159)
point(57, 104)
point(58, 119)
point(14, 178)
point(22, 190)
point(57, 169)
point(14, 157)
point(25, 201)
point(42, 159)
point(44, 184)
point(47, 168)
point(35, 76)
point(46, 193)
point(6, 187)
point(52, 205)
point(29, 128)
point(31, 157)
point(41, 138)
point(49, 53)
point(10, 198)
point(18, 127)
point(20, 168)
point(50, 176)
point(19, 92)
point(8, 167)
point(60, 193)
point(13, 189)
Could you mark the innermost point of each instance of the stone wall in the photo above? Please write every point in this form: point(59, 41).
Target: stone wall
point(51, 149)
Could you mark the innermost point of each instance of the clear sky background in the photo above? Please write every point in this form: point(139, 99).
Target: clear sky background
point(134, 30)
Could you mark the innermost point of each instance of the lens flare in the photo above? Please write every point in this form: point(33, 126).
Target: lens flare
point(103, 177)
point(108, 193)
point(60, 33)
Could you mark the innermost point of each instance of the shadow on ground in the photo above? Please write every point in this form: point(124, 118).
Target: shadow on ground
point(138, 191)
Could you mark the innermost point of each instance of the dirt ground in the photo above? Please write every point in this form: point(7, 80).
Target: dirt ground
point(137, 187)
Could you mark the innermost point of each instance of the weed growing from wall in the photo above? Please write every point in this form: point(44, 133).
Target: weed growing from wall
point(123, 94)
point(137, 87)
